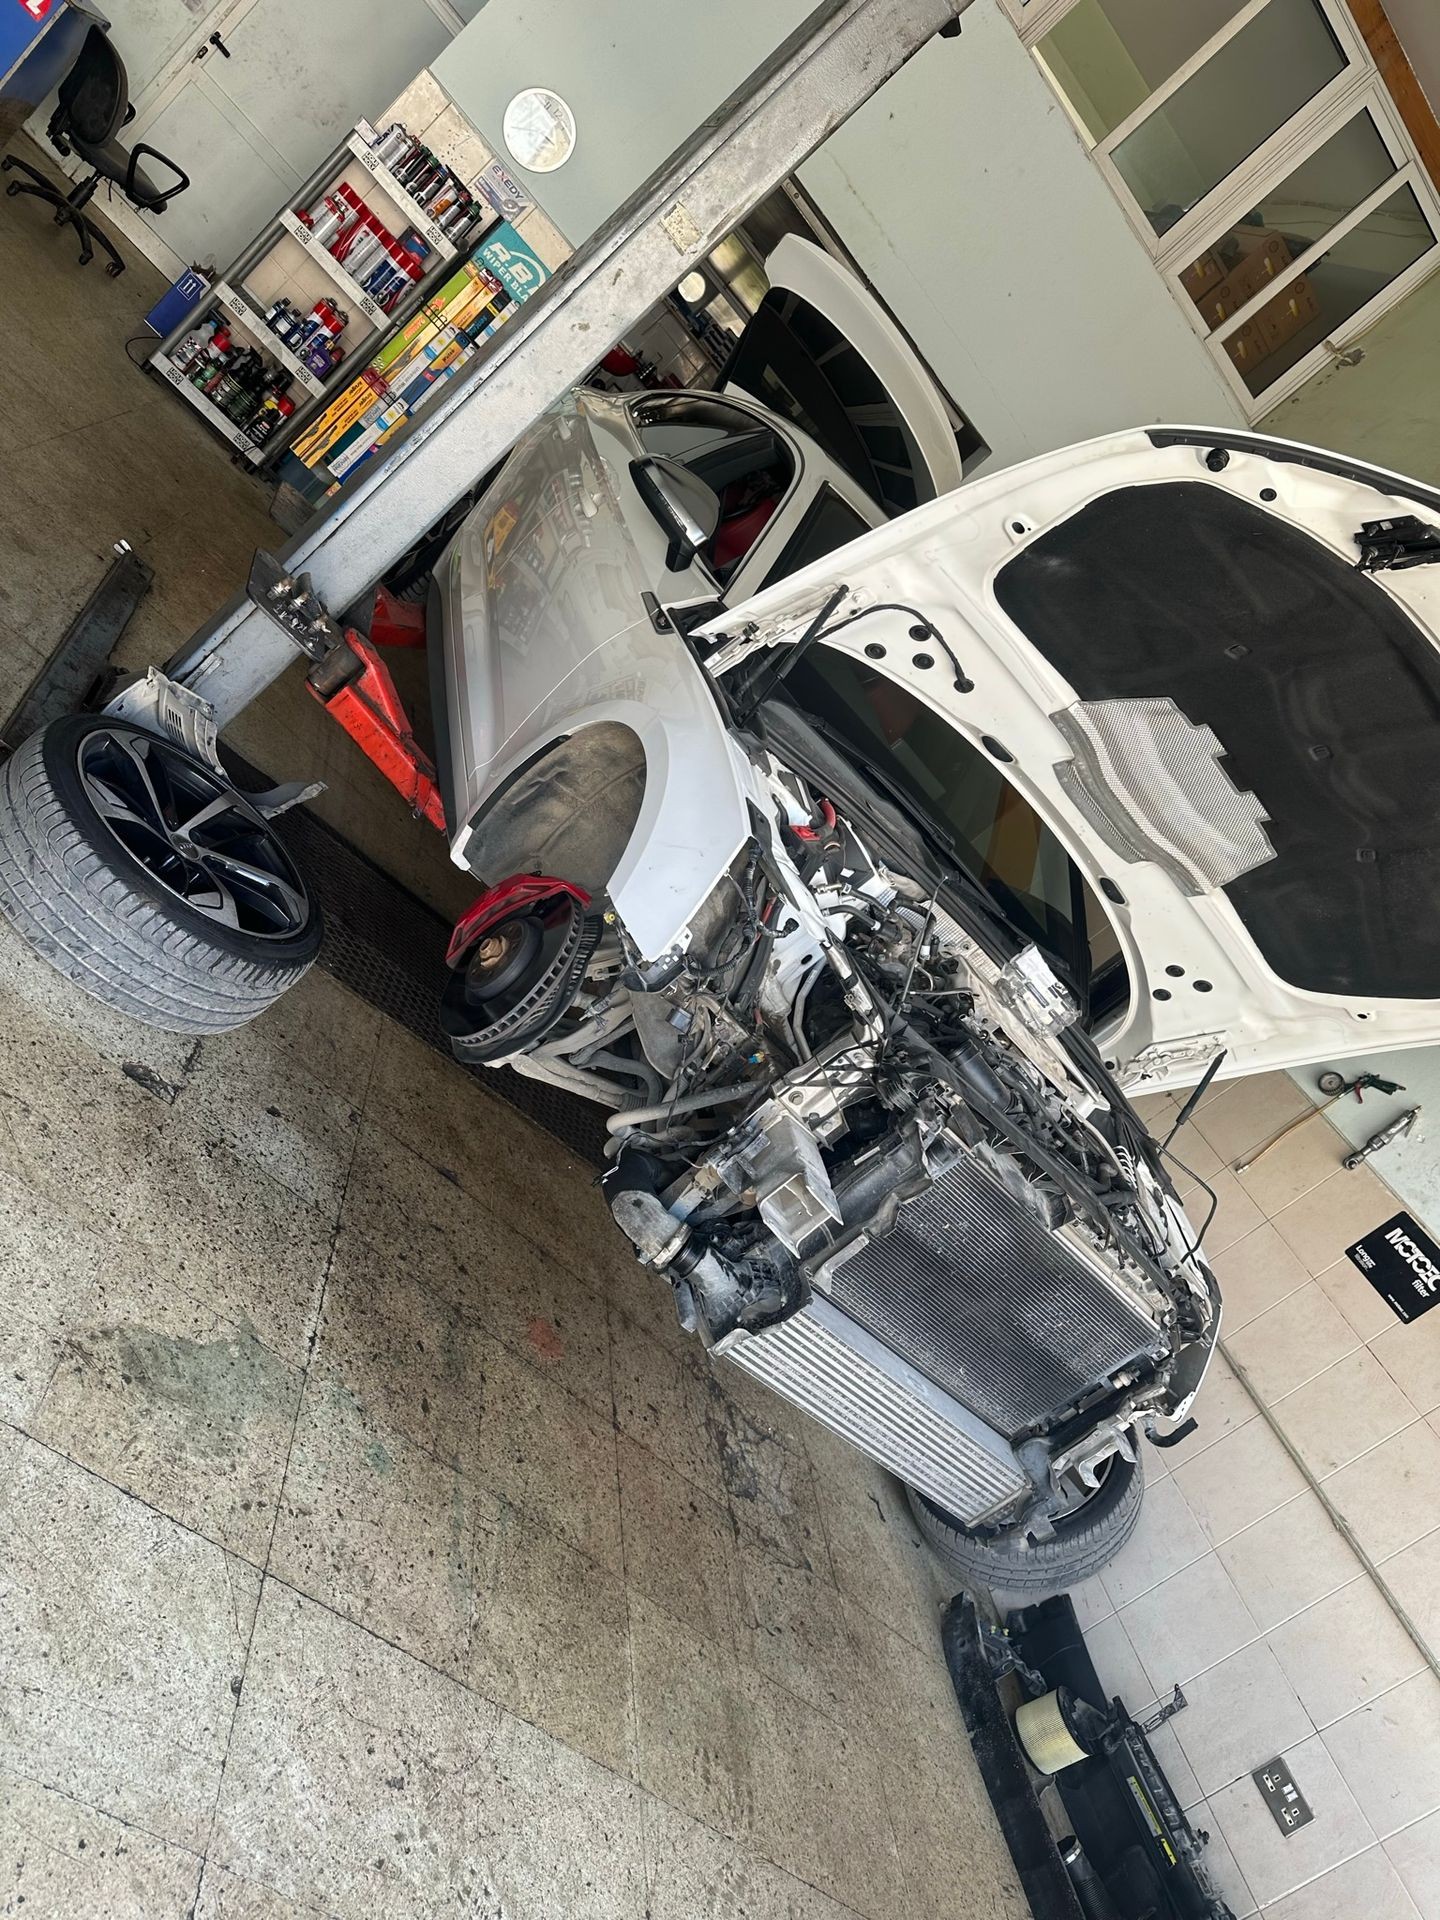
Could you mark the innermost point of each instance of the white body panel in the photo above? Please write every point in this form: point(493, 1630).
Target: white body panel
point(554, 635)
point(943, 559)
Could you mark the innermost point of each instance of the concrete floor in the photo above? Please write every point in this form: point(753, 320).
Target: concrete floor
point(375, 1544)
point(96, 450)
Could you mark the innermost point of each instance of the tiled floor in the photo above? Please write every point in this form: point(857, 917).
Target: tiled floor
point(1240, 1587)
point(375, 1544)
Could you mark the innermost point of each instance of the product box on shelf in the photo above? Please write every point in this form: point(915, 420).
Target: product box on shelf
point(417, 333)
point(341, 414)
point(360, 446)
point(432, 346)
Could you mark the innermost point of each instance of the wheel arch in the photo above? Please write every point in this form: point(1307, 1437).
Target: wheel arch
point(684, 820)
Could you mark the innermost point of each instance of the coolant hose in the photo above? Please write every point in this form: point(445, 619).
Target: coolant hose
point(687, 1103)
point(640, 1070)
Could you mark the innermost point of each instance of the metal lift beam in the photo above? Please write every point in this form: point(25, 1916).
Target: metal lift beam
point(841, 55)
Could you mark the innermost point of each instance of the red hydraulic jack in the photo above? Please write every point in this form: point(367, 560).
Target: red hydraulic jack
point(351, 681)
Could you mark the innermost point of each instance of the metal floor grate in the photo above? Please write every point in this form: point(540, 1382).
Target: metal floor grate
point(389, 947)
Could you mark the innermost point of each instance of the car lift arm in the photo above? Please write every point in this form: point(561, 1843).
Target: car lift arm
point(351, 681)
point(833, 62)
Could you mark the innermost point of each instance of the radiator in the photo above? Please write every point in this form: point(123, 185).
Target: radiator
point(841, 1376)
point(1013, 1321)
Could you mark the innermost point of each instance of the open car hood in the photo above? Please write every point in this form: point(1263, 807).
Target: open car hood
point(1233, 730)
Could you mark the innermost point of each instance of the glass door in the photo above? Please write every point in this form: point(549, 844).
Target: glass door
point(1178, 150)
point(1260, 160)
point(1108, 57)
point(1345, 227)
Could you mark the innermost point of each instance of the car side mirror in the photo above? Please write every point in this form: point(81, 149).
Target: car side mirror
point(686, 510)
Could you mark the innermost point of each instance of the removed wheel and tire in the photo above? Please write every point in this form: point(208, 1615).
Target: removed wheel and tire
point(1088, 1534)
point(145, 878)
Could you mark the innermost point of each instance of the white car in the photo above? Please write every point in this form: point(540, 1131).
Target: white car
point(855, 857)
point(855, 836)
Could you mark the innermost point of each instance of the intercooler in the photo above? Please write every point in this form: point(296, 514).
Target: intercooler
point(827, 1365)
point(966, 1325)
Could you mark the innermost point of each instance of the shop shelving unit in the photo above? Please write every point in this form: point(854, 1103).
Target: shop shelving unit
point(309, 266)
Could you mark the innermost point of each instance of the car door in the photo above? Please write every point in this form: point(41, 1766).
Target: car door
point(869, 433)
point(780, 502)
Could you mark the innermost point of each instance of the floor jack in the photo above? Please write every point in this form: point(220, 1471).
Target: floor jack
point(1335, 1087)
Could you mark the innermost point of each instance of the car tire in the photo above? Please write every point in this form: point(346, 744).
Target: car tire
point(84, 888)
point(1085, 1539)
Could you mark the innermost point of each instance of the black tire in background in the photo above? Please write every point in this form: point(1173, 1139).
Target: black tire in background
point(99, 875)
point(1085, 1539)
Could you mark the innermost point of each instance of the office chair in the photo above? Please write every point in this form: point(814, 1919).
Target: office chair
point(94, 103)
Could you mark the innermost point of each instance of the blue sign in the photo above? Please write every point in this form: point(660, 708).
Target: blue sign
point(21, 24)
point(514, 264)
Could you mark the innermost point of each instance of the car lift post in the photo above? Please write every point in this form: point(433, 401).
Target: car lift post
point(834, 61)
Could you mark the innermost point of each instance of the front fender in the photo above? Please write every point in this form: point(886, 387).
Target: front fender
point(694, 814)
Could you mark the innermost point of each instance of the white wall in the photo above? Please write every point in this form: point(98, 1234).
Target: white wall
point(964, 193)
point(961, 189)
point(1386, 407)
point(639, 78)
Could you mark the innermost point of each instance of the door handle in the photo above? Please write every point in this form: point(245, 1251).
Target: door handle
point(216, 42)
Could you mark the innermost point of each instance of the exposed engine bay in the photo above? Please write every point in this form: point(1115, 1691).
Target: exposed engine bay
point(880, 1169)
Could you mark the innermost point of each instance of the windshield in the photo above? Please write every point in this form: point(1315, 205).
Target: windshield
point(993, 830)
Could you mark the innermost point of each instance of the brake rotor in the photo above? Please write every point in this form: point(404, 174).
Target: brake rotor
point(516, 979)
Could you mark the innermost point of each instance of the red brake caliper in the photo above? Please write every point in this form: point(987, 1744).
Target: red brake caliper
point(510, 896)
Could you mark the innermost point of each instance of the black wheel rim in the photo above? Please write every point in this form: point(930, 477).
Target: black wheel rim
point(1075, 1496)
point(192, 834)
